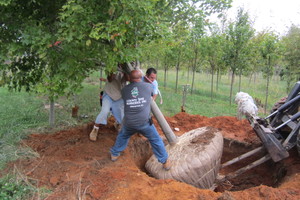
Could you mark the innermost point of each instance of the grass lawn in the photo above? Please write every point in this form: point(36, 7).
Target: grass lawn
point(200, 102)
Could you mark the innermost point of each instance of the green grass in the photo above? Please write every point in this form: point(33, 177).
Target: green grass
point(199, 102)
point(19, 112)
point(19, 188)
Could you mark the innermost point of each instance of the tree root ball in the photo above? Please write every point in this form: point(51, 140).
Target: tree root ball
point(196, 158)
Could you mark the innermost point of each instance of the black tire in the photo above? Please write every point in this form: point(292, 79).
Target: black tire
point(196, 158)
point(284, 132)
point(277, 105)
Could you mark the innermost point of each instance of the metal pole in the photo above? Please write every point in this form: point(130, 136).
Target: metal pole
point(171, 137)
point(248, 167)
point(241, 157)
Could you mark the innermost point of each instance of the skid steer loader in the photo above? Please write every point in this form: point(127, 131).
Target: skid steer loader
point(278, 132)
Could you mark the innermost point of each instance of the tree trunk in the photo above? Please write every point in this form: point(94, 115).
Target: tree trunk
point(231, 86)
point(194, 70)
point(218, 76)
point(138, 64)
point(250, 78)
point(240, 80)
point(51, 113)
point(212, 83)
point(176, 86)
point(165, 77)
point(171, 137)
point(177, 71)
point(193, 80)
point(267, 94)
point(188, 70)
point(268, 82)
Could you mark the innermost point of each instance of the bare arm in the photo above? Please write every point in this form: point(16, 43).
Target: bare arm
point(154, 97)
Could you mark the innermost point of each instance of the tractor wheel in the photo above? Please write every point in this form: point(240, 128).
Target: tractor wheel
point(275, 107)
point(196, 158)
point(278, 104)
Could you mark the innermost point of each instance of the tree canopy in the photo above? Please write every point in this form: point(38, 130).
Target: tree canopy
point(71, 38)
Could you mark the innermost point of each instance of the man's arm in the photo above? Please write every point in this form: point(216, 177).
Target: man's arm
point(154, 97)
point(155, 89)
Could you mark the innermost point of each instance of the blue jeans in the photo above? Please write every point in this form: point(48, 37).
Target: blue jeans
point(147, 130)
point(117, 108)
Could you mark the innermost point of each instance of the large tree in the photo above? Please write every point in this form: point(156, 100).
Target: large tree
point(270, 53)
point(67, 39)
point(236, 49)
point(212, 50)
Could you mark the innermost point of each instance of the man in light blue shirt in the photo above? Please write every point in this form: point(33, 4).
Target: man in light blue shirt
point(150, 77)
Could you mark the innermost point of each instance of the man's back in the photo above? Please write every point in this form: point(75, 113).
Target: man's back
point(113, 87)
point(137, 99)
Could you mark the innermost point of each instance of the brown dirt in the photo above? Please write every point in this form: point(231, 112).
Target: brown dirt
point(75, 168)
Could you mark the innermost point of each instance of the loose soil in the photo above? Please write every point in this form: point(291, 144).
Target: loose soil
point(73, 167)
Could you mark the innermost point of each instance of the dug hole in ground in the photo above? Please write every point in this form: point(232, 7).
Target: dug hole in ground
point(73, 167)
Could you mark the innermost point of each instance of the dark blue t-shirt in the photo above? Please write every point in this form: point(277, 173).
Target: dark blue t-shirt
point(137, 99)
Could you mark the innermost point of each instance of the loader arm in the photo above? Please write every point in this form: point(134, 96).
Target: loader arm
point(269, 141)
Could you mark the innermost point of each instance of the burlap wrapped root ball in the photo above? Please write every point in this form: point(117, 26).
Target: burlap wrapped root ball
point(196, 158)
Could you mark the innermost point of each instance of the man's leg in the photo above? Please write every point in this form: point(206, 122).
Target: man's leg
point(118, 110)
point(105, 109)
point(118, 113)
point(121, 142)
point(102, 116)
point(158, 147)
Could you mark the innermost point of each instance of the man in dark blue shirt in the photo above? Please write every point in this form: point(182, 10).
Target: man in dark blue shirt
point(137, 99)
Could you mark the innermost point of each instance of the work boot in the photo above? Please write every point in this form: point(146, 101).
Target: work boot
point(94, 133)
point(113, 158)
point(117, 126)
point(167, 165)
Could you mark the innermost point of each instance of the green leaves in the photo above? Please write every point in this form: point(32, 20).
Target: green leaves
point(5, 2)
point(269, 51)
point(67, 39)
point(291, 45)
point(238, 35)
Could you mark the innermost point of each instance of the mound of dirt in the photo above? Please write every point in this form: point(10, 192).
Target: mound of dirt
point(73, 167)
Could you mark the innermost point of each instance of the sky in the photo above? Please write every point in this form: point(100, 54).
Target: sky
point(275, 15)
